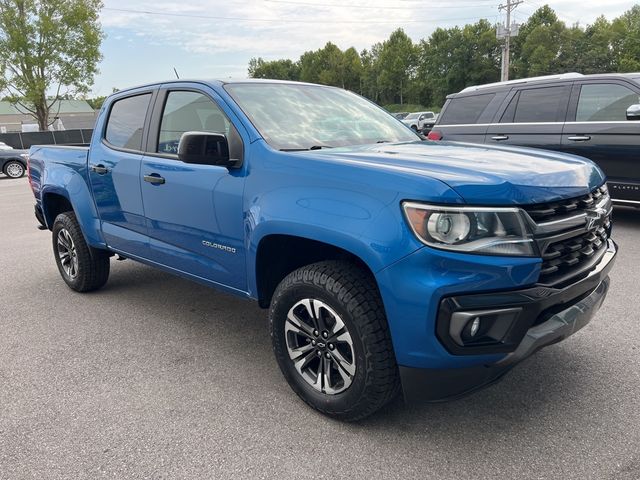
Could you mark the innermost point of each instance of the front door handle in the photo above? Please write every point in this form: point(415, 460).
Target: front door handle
point(498, 138)
point(99, 169)
point(154, 178)
point(579, 138)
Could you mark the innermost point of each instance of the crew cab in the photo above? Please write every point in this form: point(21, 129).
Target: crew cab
point(387, 263)
point(594, 116)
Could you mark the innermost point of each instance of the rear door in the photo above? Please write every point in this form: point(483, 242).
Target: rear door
point(114, 173)
point(599, 130)
point(193, 212)
point(531, 117)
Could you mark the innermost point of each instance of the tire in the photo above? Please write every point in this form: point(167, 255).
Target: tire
point(324, 296)
point(414, 127)
point(13, 169)
point(82, 267)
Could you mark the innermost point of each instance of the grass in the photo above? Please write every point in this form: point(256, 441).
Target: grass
point(409, 107)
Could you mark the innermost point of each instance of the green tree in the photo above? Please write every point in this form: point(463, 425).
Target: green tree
point(96, 103)
point(455, 58)
point(397, 62)
point(538, 44)
point(276, 69)
point(48, 48)
point(625, 40)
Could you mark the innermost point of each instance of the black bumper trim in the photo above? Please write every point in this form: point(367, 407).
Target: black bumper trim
point(432, 385)
point(538, 303)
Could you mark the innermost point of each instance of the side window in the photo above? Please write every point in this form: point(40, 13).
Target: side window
point(126, 122)
point(604, 102)
point(540, 104)
point(509, 113)
point(465, 109)
point(188, 112)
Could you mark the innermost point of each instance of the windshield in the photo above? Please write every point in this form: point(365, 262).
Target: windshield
point(296, 116)
point(411, 116)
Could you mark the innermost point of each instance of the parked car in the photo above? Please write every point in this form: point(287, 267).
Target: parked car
point(13, 163)
point(418, 120)
point(400, 115)
point(594, 116)
point(386, 262)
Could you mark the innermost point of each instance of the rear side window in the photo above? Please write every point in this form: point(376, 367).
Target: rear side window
point(126, 122)
point(465, 109)
point(604, 102)
point(538, 105)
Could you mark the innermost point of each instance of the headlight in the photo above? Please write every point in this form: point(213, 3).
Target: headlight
point(482, 230)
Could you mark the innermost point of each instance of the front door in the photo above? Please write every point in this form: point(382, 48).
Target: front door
point(114, 173)
point(601, 132)
point(193, 212)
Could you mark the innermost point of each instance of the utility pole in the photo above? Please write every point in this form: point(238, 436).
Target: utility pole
point(506, 33)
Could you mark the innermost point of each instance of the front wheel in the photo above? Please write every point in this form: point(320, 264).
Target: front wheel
point(14, 169)
point(331, 340)
point(82, 267)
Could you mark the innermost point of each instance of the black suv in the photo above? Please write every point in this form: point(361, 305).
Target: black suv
point(587, 115)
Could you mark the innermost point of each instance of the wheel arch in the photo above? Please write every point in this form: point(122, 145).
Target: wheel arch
point(56, 200)
point(293, 252)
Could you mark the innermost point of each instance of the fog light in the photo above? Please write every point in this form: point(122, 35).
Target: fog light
point(482, 326)
point(475, 326)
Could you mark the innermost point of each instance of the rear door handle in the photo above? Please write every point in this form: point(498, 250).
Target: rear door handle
point(99, 169)
point(154, 178)
point(579, 138)
point(498, 138)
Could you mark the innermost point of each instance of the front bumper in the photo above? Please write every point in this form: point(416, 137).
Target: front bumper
point(551, 315)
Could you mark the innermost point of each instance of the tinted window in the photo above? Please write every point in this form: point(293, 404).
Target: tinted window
point(188, 112)
point(465, 109)
point(507, 116)
point(126, 122)
point(541, 105)
point(604, 102)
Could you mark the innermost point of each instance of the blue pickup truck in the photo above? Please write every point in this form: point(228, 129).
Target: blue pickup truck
point(388, 264)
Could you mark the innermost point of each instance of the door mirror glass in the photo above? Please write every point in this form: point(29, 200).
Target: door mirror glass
point(205, 148)
point(633, 112)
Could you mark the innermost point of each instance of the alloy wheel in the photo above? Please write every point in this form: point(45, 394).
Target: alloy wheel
point(320, 346)
point(67, 253)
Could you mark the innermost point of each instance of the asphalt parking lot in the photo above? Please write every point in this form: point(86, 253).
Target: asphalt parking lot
point(157, 377)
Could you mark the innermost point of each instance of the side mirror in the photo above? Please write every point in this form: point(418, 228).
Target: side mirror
point(633, 112)
point(206, 148)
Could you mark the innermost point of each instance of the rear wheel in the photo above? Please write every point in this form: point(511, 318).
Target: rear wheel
point(14, 169)
point(331, 340)
point(82, 267)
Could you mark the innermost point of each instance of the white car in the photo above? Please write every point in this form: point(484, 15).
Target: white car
point(418, 120)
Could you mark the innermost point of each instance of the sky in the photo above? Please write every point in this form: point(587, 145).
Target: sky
point(147, 39)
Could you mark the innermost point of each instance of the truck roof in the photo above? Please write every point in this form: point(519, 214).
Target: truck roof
point(218, 82)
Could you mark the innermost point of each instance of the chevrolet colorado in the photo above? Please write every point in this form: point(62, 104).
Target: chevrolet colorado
point(387, 263)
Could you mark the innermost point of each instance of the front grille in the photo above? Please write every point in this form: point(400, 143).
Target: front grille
point(577, 239)
point(545, 212)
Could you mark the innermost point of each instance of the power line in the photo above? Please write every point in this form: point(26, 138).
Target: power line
point(283, 21)
point(370, 7)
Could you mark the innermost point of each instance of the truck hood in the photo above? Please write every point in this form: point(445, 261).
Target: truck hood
point(480, 174)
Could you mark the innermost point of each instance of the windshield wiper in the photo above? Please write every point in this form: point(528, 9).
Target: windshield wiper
point(312, 147)
point(319, 147)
